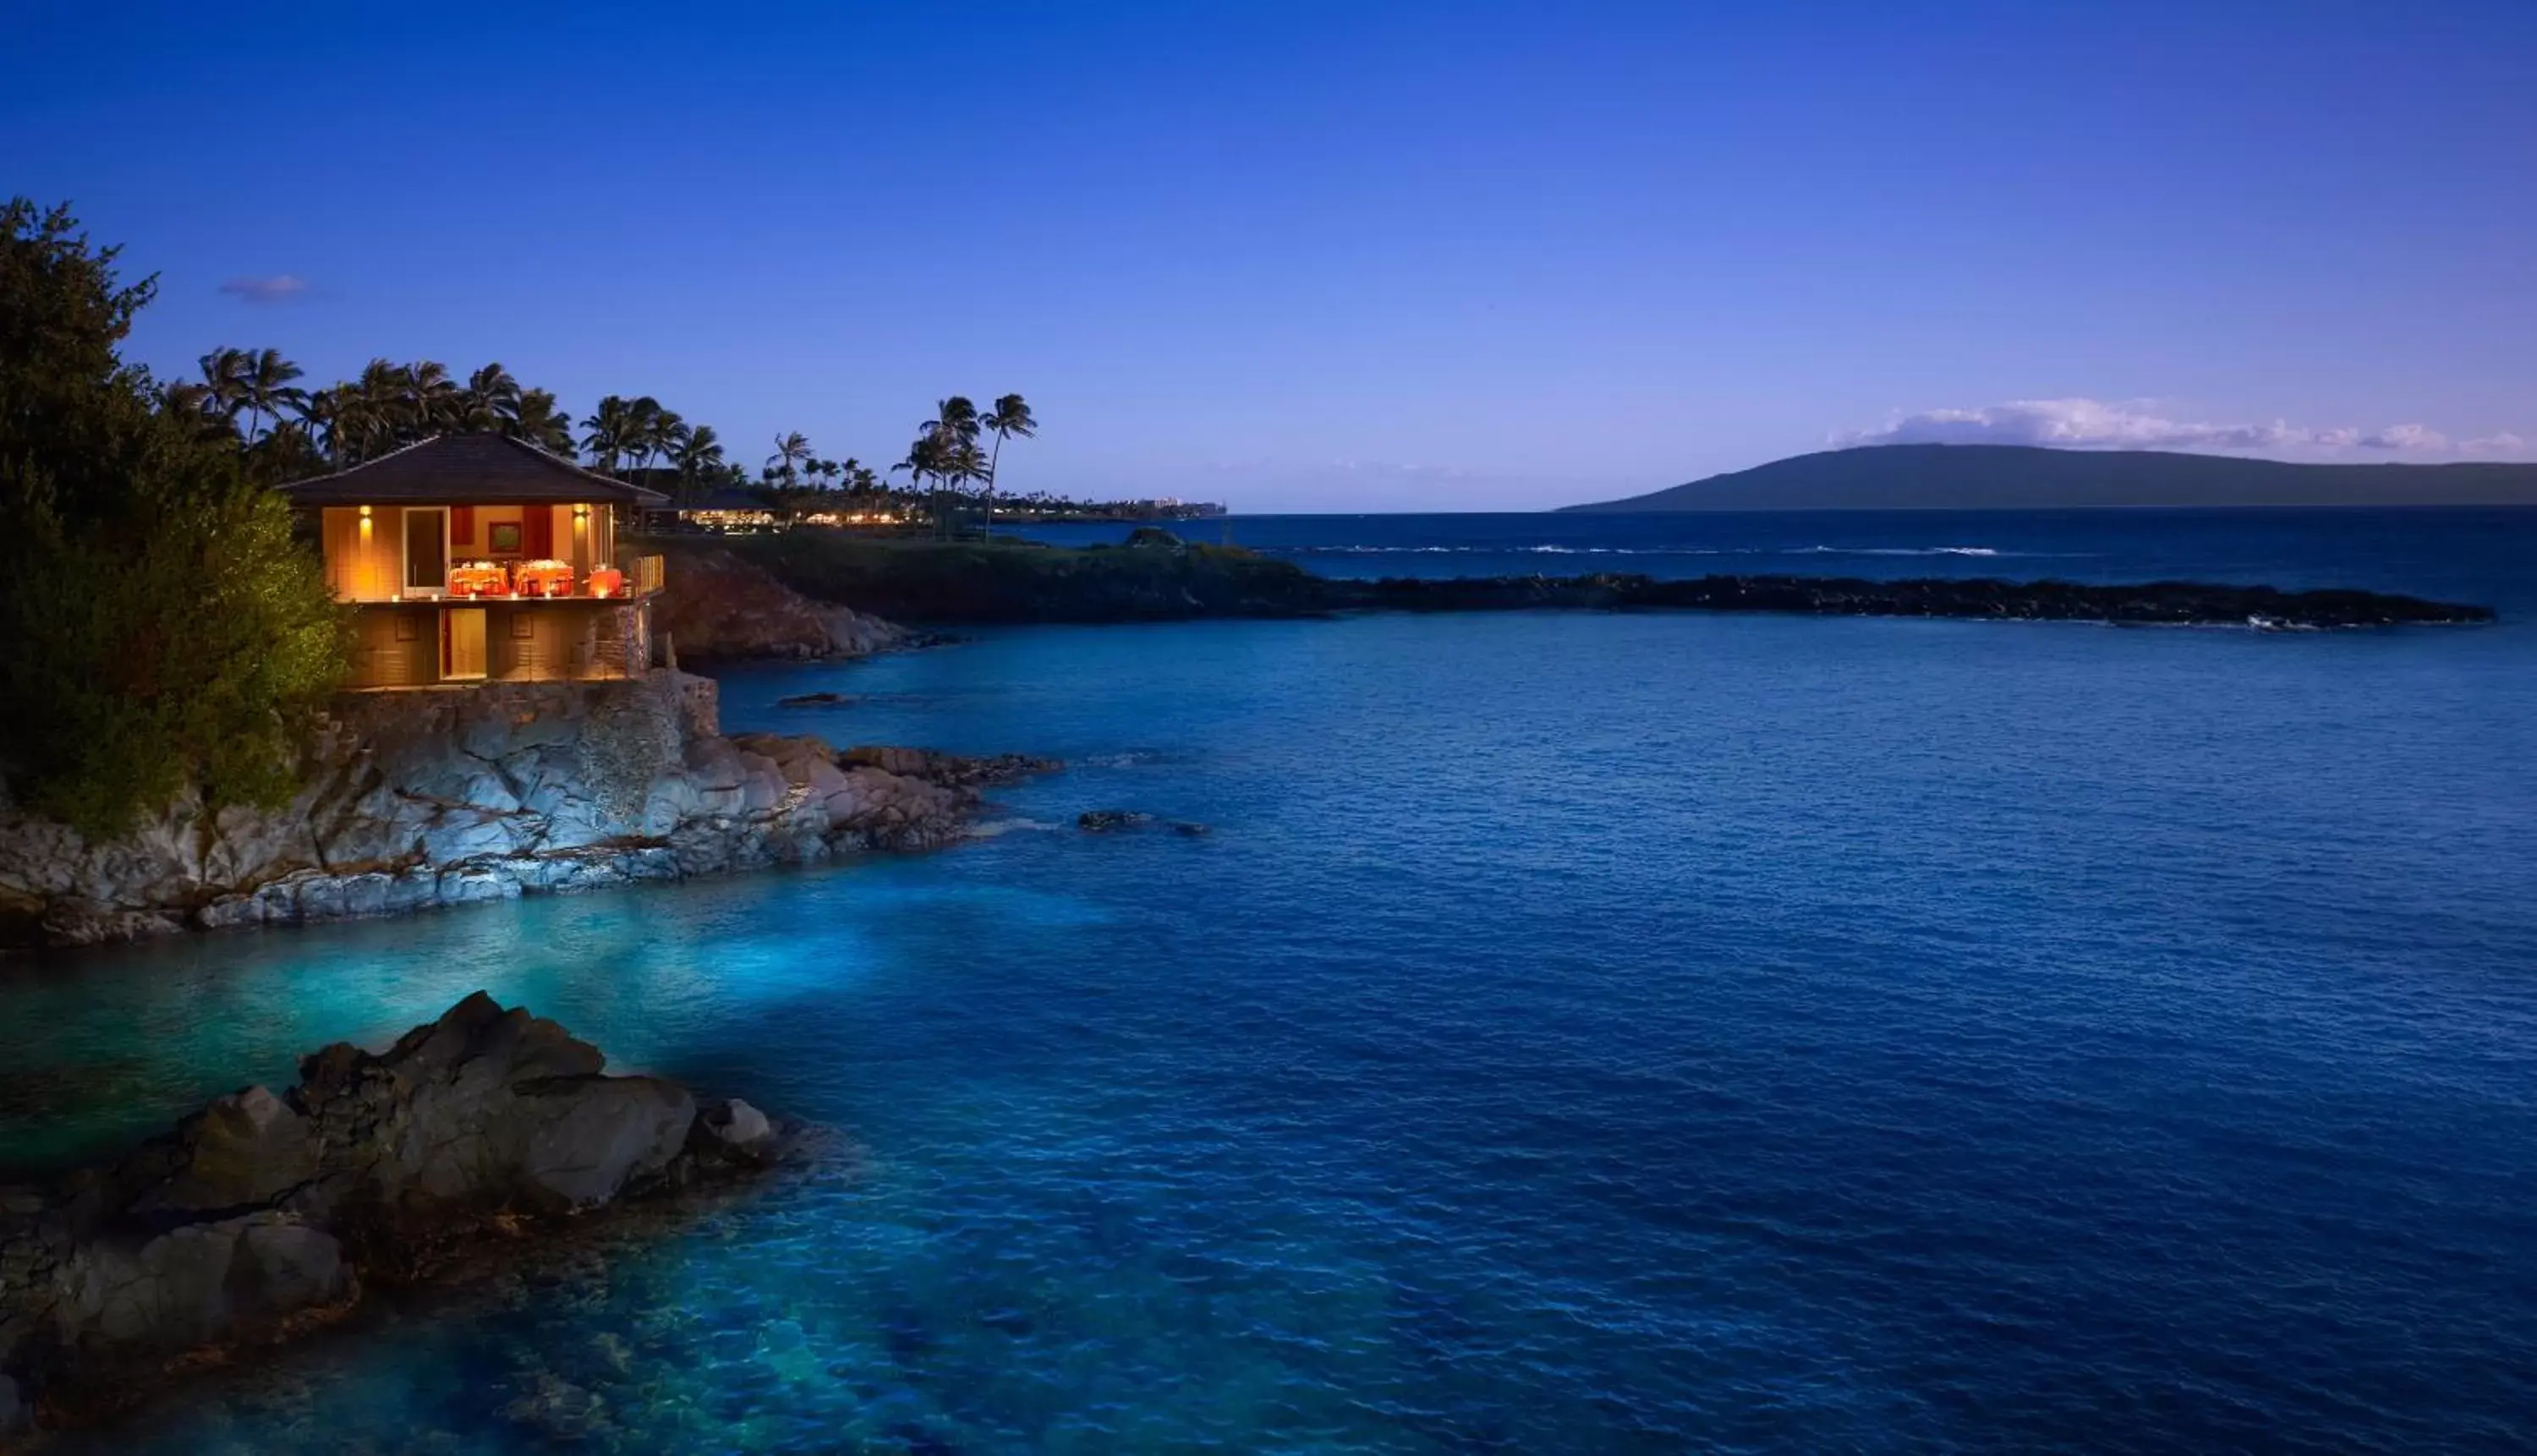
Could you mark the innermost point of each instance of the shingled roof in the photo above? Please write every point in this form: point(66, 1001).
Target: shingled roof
point(467, 470)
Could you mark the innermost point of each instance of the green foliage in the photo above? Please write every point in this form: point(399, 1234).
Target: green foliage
point(161, 626)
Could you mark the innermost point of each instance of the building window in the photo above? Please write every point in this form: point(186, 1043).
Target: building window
point(523, 626)
point(407, 628)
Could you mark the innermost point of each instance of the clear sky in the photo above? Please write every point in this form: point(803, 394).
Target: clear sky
point(1370, 256)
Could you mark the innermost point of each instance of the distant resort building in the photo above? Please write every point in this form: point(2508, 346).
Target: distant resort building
point(722, 511)
point(479, 558)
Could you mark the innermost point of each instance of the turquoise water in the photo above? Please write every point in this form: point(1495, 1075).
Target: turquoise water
point(1577, 1033)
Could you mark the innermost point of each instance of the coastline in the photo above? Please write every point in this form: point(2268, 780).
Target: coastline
point(416, 801)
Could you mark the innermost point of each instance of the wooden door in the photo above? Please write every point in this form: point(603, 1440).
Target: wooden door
point(462, 644)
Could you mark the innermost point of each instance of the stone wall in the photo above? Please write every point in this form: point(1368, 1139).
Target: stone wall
point(441, 796)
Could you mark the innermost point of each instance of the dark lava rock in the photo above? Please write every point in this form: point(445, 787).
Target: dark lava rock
point(2172, 603)
point(949, 770)
point(264, 1214)
point(1106, 821)
point(1154, 535)
point(816, 699)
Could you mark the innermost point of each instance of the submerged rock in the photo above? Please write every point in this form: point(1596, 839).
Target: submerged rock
point(266, 1211)
point(816, 699)
point(1109, 821)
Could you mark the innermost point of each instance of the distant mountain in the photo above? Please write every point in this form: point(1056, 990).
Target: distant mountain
point(1984, 477)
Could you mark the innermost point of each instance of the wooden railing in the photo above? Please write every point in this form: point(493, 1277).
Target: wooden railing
point(649, 575)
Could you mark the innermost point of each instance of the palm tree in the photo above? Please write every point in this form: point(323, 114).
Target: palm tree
point(369, 413)
point(490, 402)
point(791, 449)
point(696, 456)
point(1011, 418)
point(223, 382)
point(434, 401)
point(539, 420)
point(963, 463)
point(927, 456)
point(315, 409)
point(954, 423)
point(650, 430)
point(264, 387)
point(611, 430)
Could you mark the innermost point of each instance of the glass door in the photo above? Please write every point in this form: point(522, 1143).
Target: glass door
point(427, 549)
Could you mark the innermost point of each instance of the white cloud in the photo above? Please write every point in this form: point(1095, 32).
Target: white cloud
point(274, 289)
point(2405, 437)
point(2133, 424)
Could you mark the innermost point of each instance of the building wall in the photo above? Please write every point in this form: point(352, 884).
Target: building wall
point(400, 645)
point(363, 568)
point(396, 647)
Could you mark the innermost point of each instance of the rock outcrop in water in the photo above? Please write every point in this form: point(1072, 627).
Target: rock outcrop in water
point(1014, 582)
point(266, 1213)
point(426, 798)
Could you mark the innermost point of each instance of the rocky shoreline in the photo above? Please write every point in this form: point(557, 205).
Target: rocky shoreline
point(265, 1215)
point(412, 801)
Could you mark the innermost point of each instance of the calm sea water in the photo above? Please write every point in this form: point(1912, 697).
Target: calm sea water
point(1578, 1034)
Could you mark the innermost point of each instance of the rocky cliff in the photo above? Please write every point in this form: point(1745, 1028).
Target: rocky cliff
point(442, 797)
point(719, 606)
point(266, 1214)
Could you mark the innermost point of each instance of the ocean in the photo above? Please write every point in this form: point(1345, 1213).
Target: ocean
point(1575, 1033)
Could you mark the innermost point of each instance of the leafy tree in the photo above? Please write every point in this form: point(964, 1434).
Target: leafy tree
point(164, 627)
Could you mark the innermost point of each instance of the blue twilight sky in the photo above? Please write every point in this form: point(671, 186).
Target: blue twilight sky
point(1349, 256)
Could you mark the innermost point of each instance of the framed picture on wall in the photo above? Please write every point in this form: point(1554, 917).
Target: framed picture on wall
point(503, 538)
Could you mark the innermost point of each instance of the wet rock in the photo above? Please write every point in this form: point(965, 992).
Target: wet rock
point(740, 1127)
point(816, 699)
point(418, 800)
point(265, 1209)
point(560, 1410)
